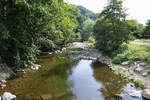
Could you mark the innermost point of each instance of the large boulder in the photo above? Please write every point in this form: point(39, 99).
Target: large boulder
point(146, 94)
point(8, 96)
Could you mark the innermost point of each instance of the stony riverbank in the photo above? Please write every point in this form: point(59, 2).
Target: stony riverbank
point(138, 72)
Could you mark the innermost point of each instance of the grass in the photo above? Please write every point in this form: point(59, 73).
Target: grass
point(147, 41)
point(131, 53)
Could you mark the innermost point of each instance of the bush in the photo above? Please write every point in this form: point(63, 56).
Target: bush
point(91, 41)
point(131, 53)
point(46, 45)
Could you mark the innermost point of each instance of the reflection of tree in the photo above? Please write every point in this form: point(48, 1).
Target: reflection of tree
point(49, 81)
point(113, 83)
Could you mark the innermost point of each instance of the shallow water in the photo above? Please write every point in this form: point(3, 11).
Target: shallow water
point(64, 78)
point(85, 86)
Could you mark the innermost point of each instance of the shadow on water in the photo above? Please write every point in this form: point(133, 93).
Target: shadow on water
point(65, 78)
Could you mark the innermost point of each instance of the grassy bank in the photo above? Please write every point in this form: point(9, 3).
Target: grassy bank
point(131, 53)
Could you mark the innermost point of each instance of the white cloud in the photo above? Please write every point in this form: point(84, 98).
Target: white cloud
point(137, 9)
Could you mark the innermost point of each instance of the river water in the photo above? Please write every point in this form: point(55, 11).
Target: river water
point(65, 78)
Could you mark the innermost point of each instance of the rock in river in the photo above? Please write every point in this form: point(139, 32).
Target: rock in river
point(8, 96)
point(135, 93)
point(146, 94)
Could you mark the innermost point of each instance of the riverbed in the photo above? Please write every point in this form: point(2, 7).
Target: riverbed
point(64, 76)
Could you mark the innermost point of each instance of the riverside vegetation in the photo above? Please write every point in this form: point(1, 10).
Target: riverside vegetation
point(29, 28)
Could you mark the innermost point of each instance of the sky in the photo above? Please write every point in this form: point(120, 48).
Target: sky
point(136, 9)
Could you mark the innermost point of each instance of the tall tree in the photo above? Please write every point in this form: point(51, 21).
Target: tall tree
point(135, 28)
point(87, 30)
point(111, 29)
point(146, 33)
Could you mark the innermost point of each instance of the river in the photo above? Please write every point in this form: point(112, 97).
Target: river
point(65, 77)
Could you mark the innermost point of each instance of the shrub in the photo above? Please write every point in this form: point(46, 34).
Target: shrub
point(131, 53)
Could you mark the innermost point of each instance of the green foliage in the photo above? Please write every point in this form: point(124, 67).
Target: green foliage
point(83, 15)
point(29, 26)
point(135, 29)
point(87, 13)
point(91, 41)
point(111, 29)
point(87, 29)
point(131, 53)
point(146, 33)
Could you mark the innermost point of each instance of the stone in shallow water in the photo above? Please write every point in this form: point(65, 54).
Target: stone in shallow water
point(8, 96)
point(135, 93)
point(3, 81)
point(146, 94)
point(3, 86)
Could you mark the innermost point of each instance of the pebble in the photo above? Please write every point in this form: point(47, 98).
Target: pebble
point(3, 86)
point(3, 81)
point(8, 96)
point(135, 93)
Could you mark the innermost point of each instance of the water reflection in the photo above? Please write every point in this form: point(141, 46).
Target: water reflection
point(64, 78)
point(50, 82)
point(85, 86)
point(113, 84)
point(95, 81)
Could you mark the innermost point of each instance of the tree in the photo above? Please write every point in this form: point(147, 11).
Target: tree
point(87, 29)
point(84, 14)
point(30, 26)
point(146, 33)
point(135, 29)
point(111, 28)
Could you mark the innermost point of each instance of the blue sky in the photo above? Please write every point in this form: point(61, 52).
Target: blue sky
point(137, 9)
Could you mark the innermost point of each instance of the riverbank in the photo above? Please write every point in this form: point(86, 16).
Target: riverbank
point(7, 73)
point(137, 72)
point(134, 61)
point(85, 52)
